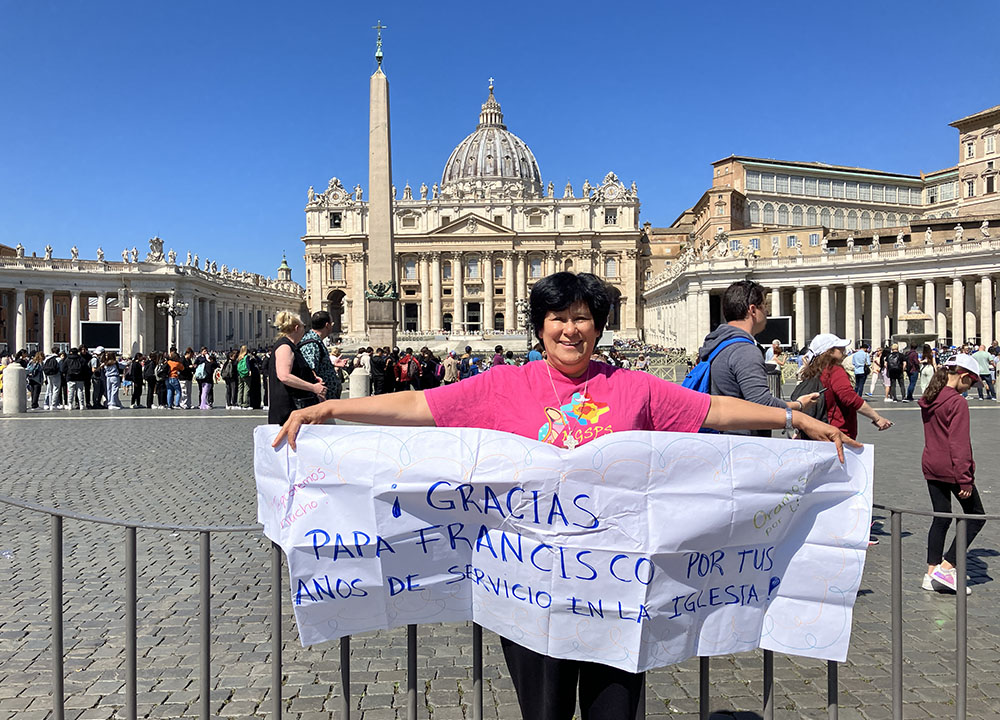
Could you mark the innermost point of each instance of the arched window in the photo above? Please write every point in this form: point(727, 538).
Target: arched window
point(852, 220)
point(811, 216)
point(472, 267)
point(568, 266)
point(535, 266)
point(336, 270)
point(824, 218)
point(446, 321)
point(783, 215)
point(769, 214)
point(903, 219)
point(879, 221)
point(866, 220)
point(610, 267)
point(498, 323)
point(797, 215)
point(945, 215)
point(409, 269)
point(838, 220)
point(890, 220)
point(754, 213)
point(498, 270)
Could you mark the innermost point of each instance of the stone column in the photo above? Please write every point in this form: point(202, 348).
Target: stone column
point(134, 312)
point(876, 314)
point(971, 324)
point(851, 315)
point(213, 323)
point(775, 302)
point(488, 295)
point(986, 311)
point(521, 276)
point(509, 308)
point(20, 320)
point(358, 326)
point(886, 327)
point(902, 303)
point(425, 293)
point(550, 262)
point(930, 300)
point(74, 318)
point(47, 322)
point(940, 303)
point(381, 315)
point(703, 316)
point(458, 314)
point(631, 315)
point(206, 325)
point(957, 311)
point(436, 291)
point(102, 307)
point(824, 308)
point(800, 316)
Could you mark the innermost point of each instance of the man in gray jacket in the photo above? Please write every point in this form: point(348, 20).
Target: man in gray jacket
point(738, 370)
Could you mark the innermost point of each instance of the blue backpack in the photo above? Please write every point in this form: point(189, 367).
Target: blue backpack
point(699, 378)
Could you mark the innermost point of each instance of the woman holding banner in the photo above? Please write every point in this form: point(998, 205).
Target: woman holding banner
point(566, 400)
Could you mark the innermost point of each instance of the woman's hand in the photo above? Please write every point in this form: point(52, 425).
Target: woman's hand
point(818, 430)
point(882, 423)
point(965, 493)
point(807, 401)
point(319, 387)
point(311, 415)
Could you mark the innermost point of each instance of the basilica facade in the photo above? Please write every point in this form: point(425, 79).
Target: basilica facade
point(468, 249)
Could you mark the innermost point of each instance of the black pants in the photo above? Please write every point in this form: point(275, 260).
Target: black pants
point(546, 686)
point(232, 393)
point(161, 393)
point(895, 382)
point(941, 493)
point(137, 392)
point(97, 397)
point(36, 390)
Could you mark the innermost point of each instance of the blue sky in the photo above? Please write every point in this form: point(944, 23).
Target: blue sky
point(205, 123)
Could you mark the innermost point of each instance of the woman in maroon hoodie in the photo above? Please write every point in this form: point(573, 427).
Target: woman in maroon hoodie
point(948, 465)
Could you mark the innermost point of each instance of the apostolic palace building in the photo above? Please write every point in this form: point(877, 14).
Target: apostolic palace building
point(843, 249)
point(159, 301)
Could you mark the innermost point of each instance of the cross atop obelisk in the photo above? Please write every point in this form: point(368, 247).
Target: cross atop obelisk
point(378, 44)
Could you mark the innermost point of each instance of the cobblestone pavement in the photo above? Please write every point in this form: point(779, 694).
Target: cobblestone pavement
point(196, 468)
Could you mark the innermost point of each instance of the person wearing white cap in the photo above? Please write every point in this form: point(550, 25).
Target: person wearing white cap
point(827, 353)
point(947, 464)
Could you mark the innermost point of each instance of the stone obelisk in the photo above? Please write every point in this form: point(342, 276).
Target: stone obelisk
point(381, 293)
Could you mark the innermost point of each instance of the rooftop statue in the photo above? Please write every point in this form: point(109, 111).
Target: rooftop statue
point(100, 255)
point(74, 253)
point(48, 252)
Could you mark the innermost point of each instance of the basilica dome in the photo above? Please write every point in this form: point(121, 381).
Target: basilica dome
point(492, 159)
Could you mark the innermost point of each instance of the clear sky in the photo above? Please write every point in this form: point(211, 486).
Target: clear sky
point(205, 123)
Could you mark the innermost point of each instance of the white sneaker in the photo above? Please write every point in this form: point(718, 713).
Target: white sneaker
point(927, 583)
point(948, 579)
point(113, 407)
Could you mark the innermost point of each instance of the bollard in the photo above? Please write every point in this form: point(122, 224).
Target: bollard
point(15, 389)
point(359, 383)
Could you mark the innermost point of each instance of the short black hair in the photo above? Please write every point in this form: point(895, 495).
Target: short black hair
point(738, 298)
point(319, 319)
point(498, 349)
point(560, 290)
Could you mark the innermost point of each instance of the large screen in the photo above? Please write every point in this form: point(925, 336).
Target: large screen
point(777, 328)
point(106, 334)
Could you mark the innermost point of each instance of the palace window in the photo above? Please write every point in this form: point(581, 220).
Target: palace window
point(753, 180)
point(791, 241)
point(824, 188)
point(796, 185)
point(568, 221)
point(796, 215)
point(890, 220)
point(446, 271)
point(866, 221)
point(720, 208)
point(769, 214)
point(610, 267)
point(611, 216)
point(783, 215)
point(535, 267)
point(838, 220)
point(811, 187)
point(838, 188)
point(824, 218)
point(989, 185)
point(472, 268)
point(970, 188)
point(852, 191)
point(782, 184)
point(535, 220)
point(445, 219)
point(813, 239)
point(734, 245)
point(498, 219)
point(878, 193)
point(865, 191)
point(498, 270)
point(932, 195)
point(852, 220)
point(409, 269)
point(879, 221)
point(754, 213)
point(970, 150)
point(755, 243)
point(336, 270)
point(890, 194)
point(336, 220)
point(409, 221)
point(767, 182)
point(811, 216)
point(991, 144)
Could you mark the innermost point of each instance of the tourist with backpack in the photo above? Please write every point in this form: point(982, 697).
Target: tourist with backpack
point(895, 367)
point(731, 363)
point(431, 369)
point(135, 375)
point(36, 378)
point(52, 370)
point(75, 373)
point(243, 379)
point(465, 364)
point(204, 375)
point(228, 375)
point(408, 372)
point(149, 376)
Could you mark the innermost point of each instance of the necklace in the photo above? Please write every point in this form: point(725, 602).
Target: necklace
point(570, 442)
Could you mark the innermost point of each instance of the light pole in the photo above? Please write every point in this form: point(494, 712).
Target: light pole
point(172, 309)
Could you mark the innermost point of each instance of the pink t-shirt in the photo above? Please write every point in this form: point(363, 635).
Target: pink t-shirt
point(524, 401)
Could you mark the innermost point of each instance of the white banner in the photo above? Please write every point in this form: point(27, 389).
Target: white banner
point(637, 550)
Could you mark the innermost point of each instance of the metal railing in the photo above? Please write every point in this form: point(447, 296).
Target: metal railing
point(204, 533)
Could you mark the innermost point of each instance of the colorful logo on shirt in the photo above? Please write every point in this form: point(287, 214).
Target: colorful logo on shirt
point(582, 409)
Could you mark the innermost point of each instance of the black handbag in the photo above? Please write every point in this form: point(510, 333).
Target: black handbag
point(304, 402)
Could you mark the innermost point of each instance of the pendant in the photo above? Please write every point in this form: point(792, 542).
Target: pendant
point(571, 443)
